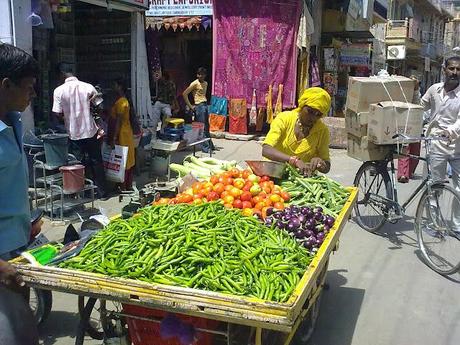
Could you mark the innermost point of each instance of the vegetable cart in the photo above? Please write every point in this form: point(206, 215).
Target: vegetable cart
point(260, 315)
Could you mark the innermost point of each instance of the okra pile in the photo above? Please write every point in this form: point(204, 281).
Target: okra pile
point(316, 191)
point(199, 246)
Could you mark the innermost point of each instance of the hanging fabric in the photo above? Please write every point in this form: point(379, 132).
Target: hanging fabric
point(269, 104)
point(260, 119)
point(259, 38)
point(253, 111)
point(238, 119)
point(315, 79)
point(279, 101)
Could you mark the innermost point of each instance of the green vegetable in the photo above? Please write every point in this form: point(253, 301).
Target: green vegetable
point(199, 246)
point(315, 191)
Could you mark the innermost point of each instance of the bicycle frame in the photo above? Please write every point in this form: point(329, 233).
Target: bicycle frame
point(393, 203)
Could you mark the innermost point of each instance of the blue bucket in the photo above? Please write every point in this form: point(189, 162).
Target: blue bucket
point(56, 149)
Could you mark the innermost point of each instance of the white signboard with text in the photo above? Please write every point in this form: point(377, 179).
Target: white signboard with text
point(164, 8)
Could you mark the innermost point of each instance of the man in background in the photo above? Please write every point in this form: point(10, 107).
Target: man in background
point(165, 100)
point(72, 102)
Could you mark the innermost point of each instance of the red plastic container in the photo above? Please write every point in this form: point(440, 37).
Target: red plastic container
point(73, 178)
point(148, 333)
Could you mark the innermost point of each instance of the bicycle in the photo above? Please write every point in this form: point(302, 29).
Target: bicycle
point(435, 224)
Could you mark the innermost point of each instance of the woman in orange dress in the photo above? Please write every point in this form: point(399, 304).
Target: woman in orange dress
point(123, 133)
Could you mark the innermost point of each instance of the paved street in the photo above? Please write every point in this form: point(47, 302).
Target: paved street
point(379, 290)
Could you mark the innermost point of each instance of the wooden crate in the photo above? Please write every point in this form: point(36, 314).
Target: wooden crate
point(218, 306)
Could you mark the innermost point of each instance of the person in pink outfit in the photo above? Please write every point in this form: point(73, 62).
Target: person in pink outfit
point(407, 165)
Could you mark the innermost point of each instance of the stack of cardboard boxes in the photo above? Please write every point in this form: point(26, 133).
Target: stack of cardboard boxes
point(377, 109)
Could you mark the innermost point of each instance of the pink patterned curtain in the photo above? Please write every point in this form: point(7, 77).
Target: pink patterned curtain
point(254, 46)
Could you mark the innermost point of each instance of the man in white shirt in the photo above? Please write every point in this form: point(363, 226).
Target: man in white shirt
point(72, 101)
point(442, 100)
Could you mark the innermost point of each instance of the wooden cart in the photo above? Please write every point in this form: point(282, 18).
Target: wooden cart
point(256, 313)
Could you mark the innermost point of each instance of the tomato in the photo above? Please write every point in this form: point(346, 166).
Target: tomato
point(163, 201)
point(205, 191)
point(264, 178)
point(247, 212)
point(224, 194)
point(213, 196)
point(197, 201)
point(229, 181)
point(228, 199)
point(246, 173)
point(285, 195)
point(246, 196)
point(235, 172)
point(228, 205)
point(268, 202)
point(255, 189)
point(256, 212)
point(238, 204)
point(262, 195)
point(186, 198)
point(228, 187)
point(256, 199)
point(253, 178)
point(239, 183)
point(198, 196)
point(247, 204)
point(214, 179)
point(207, 185)
point(227, 174)
point(235, 192)
point(260, 205)
point(218, 188)
point(275, 198)
point(222, 179)
point(278, 205)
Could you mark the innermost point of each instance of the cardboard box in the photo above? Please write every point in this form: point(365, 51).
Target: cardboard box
point(364, 91)
point(356, 123)
point(389, 118)
point(364, 150)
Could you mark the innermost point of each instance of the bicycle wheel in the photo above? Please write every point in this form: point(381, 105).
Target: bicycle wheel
point(374, 184)
point(437, 225)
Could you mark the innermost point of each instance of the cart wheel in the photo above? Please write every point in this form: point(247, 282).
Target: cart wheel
point(306, 328)
point(95, 323)
point(40, 302)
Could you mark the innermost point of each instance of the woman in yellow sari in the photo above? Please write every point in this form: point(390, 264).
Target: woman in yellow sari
point(299, 137)
point(123, 133)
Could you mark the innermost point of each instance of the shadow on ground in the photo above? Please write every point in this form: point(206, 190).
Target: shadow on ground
point(337, 325)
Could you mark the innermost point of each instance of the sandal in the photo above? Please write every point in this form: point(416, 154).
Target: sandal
point(403, 179)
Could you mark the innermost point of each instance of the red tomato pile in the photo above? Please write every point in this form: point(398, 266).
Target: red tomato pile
point(237, 189)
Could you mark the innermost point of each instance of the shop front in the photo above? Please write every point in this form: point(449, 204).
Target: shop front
point(99, 38)
point(179, 39)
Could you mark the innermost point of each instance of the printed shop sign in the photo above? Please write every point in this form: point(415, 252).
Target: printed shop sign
point(164, 8)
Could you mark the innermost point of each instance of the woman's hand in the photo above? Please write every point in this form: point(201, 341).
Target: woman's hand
point(305, 168)
point(318, 164)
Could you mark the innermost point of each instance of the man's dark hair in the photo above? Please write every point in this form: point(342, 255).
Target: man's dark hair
point(451, 58)
point(16, 64)
point(123, 84)
point(65, 68)
point(202, 71)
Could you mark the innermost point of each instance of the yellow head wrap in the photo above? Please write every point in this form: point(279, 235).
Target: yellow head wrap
point(316, 98)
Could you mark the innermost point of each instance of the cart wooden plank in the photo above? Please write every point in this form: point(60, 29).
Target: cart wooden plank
point(224, 307)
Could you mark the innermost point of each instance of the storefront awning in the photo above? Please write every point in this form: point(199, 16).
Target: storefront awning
point(180, 23)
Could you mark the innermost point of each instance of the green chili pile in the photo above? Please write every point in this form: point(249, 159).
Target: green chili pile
point(198, 246)
point(316, 191)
